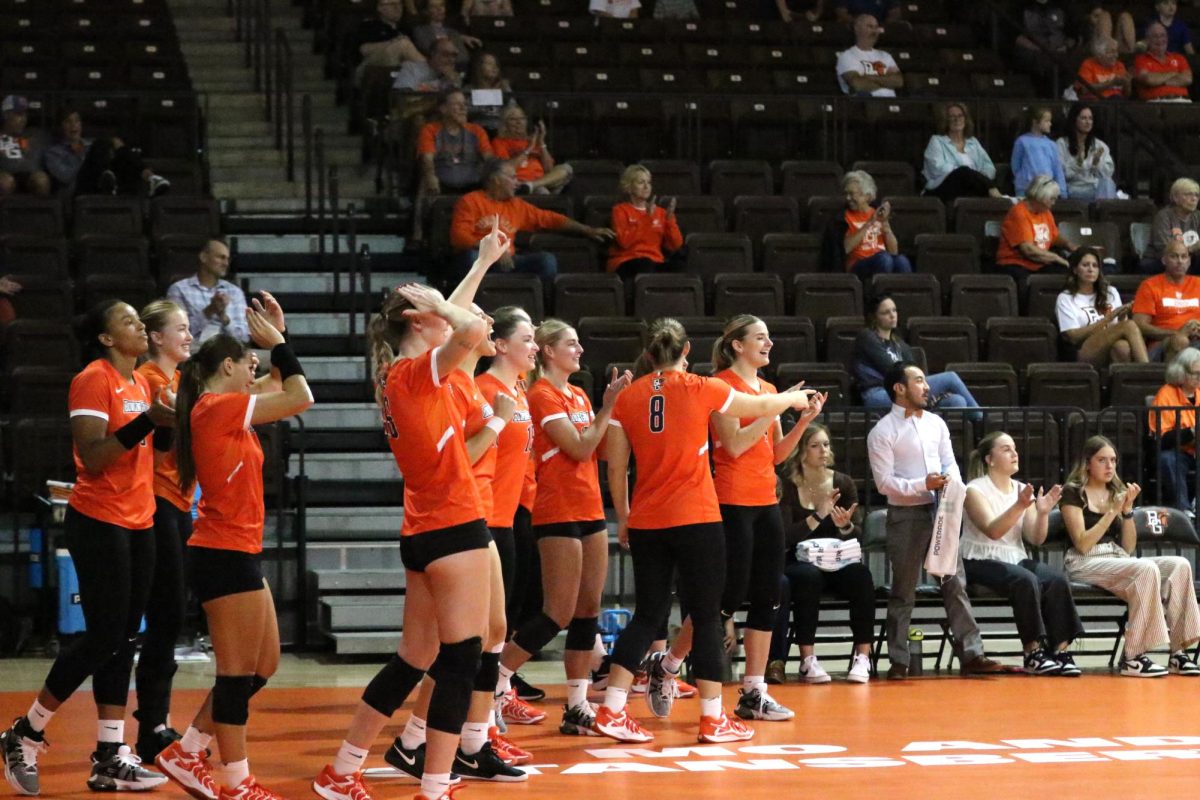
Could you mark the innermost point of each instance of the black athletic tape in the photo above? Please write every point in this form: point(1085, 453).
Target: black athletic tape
point(131, 433)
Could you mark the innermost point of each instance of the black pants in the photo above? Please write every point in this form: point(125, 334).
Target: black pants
point(1040, 595)
point(851, 583)
point(753, 562)
point(125, 163)
point(781, 634)
point(698, 552)
point(506, 549)
point(164, 614)
point(962, 182)
point(115, 567)
point(525, 600)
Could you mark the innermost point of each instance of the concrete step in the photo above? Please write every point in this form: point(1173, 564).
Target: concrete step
point(333, 368)
point(358, 580)
point(341, 415)
point(314, 283)
point(220, 85)
point(374, 613)
point(347, 466)
point(223, 29)
point(365, 523)
point(365, 643)
point(380, 552)
point(262, 152)
point(290, 244)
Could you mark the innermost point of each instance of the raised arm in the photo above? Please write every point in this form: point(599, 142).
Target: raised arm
point(295, 395)
point(579, 445)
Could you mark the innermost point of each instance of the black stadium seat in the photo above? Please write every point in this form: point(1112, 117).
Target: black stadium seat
point(578, 296)
point(667, 295)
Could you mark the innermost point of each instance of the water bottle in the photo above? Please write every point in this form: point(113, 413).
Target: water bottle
point(916, 664)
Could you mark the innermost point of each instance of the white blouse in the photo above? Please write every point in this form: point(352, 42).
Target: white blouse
point(975, 544)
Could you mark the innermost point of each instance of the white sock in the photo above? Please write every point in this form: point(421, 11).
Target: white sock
point(598, 653)
point(414, 733)
point(433, 787)
point(232, 774)
point(672, 664)
point(349, 759)
point(752, 683)
point(711, 707)
point(504, 683)
point(615, 699)
point(194, 741)
point(474, 734)
point(492, 718)
point(38, 716)
point(110, 730)
point(577, 692)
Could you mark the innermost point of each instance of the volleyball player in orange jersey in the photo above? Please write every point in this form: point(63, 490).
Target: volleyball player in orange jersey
point(568, 523)
point(674, 521)
point(417, 342)
point(109, 533)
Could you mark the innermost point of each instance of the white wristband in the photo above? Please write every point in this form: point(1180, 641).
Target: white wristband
point(496, 424)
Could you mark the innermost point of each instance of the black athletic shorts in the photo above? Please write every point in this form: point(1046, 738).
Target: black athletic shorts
point(420, 550)
point(216, 573)
point(570, 530)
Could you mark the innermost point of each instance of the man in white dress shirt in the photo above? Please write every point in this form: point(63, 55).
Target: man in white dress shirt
point(912, 460)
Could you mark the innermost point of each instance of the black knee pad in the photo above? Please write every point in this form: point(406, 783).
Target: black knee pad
point(454, 670)
point(392, 685)
point(536, 633)
point(231, 699)
point(256, 683)
point(488, 672)
point(581, 633)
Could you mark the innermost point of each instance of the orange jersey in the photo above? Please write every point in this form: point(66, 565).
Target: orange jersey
point(229, 463)
point(1169, 305)
point(872, 241)
point(642, 235)
point(529, 166)
point(1020, 226)
point(476, 411)
point(122, 493)
point(1168, 396)
point(748, 479)
point(567, 490)
point(665, 418)
point(513, 448)
point(471, 220)
point(1093, 72)
point(1171, 62)
point(424, 427)
point(166, 471)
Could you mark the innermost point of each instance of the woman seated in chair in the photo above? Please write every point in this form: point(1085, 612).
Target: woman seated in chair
point(1176, 431)
point(1097, 509)
point(821, 503)
point(1000, 514)
point(648, 235)
point(1091, 319)
point(860, 239)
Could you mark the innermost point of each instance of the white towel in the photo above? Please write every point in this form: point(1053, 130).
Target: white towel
point(942, 559)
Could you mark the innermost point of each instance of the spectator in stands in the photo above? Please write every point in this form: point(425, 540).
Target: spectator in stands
point(1046, 24)
point(1176, 431)
point(1161, 76)
point(999, 515)
point(647, 234)
point(475, 212)
point(451, 152)
point(862, 236)
point(1104, 73)
point(956, 165)
point(98, 166)
point(1167, 306)
point(1029, 235)
point(620, 9)
point(884, 11)
point(1034, 153)
point(1087, 161)
point(878, 347)
point(536, 169)
point(381, 40)
point(1093, 323)
point(1179, 222)
point(485, 8)
point(677, 9)
point(8, 287)
point(21, 150)
point(213, 304)
point(438, 74)
point(434, 29)
point(819, 502)
point(1097, 509)
point(1179, 36)
point(487, 91)
point(863, 70)
point(812, 10)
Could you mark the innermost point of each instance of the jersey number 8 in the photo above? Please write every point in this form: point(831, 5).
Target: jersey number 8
point(658, 420)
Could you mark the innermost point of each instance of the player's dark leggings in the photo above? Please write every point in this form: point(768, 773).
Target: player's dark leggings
point(698, 552)
point(753, 562)
point(525, 599)
point(115, 567)
point(164, 614)
point(506, 549)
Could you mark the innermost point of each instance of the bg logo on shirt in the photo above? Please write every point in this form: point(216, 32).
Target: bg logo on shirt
point(135, 406)
point(1041, 235)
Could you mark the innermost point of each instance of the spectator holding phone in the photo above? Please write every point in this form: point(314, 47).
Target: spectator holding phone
point(1030, 234)
point(865, 243)
point(1093, 323)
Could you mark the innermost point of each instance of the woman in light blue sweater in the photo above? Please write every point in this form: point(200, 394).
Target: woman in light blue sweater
point(1036, 154)
point(956, 165)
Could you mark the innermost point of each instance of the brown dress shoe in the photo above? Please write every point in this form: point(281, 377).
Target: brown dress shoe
point(897, 672)
point(775, 673)
point(982, 665)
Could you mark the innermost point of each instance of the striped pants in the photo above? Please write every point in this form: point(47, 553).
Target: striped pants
point(1158, 590)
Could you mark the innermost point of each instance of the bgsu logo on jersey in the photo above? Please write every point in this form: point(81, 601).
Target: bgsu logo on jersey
point(135, 406)
point(521, 416)
point(657, 383)
point(581, 417)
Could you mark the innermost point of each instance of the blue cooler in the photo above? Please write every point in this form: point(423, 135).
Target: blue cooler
point(70, 612)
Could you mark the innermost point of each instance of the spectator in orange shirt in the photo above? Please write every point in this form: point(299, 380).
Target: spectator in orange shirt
point(865, 244)
point(1177, 430)
point(536, 169)
point(1029, 234)
point(1103, 73)
point(1167, 306)
point(1161, 77)
point(474, 213)
point(648, 235)
point(452, 151)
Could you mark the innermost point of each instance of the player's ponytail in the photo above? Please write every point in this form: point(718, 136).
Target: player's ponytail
point(385, 332)
point(665, 343)
point(723, 354)
point(547, 334)
point(193, 375)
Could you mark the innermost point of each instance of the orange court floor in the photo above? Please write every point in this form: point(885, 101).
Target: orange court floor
point(937, 737)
